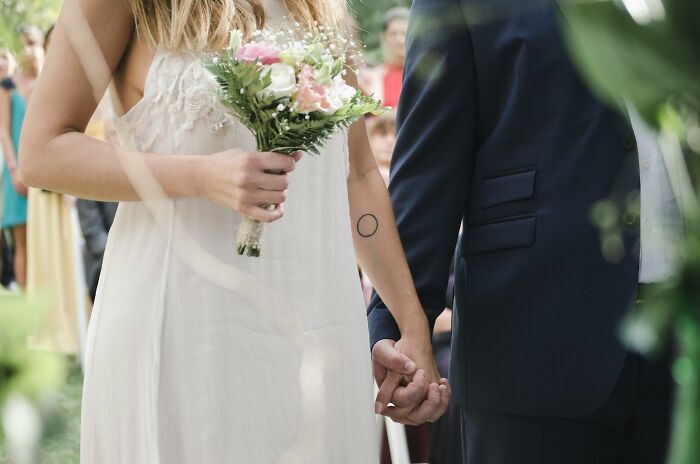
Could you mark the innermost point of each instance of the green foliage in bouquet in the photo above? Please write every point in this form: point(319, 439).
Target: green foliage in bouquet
point(647, 53)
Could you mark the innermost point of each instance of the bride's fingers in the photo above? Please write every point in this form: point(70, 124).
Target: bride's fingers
point(276, 182)
point(268, 197)
point(386, 391)
point(262, 214)
point(296, 156)
point(268, 161)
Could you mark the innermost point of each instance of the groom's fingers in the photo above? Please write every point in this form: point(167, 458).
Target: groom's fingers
point(412, 394)
point(445, 395)
point(399, 415)
point(386, 391)
point(429, 410)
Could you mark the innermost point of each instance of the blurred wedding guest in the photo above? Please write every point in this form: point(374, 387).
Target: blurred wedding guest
point(32, 37)
point(96, 217)
point(7, 69)
point(382, 138)
point(7, 64)
point(384, 81)
point(52, 266)
point(13, 101)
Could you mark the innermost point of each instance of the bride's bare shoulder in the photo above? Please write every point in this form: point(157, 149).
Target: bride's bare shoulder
point(130, 74)
point(88, 45)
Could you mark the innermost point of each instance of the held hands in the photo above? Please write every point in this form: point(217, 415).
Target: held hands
point(408, 378)
point(244, 181)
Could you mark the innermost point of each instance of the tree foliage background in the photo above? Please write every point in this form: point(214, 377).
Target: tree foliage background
point(17, 13)
point(369, 14)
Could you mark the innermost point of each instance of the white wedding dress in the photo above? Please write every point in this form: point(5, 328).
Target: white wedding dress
point(199, 356)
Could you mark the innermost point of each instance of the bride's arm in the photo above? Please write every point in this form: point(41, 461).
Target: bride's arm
point(376, 238)
point(380, 253)
point(89, 42)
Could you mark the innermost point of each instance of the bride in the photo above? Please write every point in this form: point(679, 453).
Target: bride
point(196, 354)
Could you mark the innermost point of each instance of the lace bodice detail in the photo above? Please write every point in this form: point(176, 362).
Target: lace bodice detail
point(179, 93)
point(181, 97)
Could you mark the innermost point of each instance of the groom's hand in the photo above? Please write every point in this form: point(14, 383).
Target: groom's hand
point(411, 408)
point(421, 399)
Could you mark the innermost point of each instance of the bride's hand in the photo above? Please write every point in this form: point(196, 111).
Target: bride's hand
point(242, 180)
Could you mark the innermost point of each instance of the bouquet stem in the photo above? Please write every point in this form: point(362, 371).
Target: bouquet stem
point(249, 241)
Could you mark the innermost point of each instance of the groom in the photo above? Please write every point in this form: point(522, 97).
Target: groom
point(498, 131)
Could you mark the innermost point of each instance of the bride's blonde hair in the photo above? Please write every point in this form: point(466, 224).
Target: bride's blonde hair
point(205, 24)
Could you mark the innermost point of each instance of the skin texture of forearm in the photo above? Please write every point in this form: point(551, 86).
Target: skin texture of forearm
point(75, 164)
point(379, 250)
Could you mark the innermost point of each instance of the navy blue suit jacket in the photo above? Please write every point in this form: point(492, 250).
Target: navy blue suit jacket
point(497, 129)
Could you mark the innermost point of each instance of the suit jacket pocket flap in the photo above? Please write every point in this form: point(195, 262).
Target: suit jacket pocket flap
point(503, 189)
point(513, 233)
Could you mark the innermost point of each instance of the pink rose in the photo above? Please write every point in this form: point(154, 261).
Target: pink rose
point(266, 52)
point(311, 95)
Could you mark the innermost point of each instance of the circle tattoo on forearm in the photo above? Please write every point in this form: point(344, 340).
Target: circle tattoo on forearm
point(367, 225)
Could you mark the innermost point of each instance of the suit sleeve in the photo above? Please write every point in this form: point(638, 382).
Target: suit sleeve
point(432, 161)
point(92, 225)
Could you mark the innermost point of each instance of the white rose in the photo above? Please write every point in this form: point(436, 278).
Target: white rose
point(284, 80)
point(339, 95)
point(344, 91)
point(335, 103)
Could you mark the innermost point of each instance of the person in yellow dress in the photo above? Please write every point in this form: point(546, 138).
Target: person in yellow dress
point(53, 269)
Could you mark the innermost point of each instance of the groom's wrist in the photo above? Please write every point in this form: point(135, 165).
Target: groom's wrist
point(415, 328)
point(382, 326)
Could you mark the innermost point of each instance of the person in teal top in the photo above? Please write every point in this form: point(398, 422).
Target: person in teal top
point(13, 103)
point(14, 212)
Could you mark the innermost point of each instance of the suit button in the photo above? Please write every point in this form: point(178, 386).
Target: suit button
point(629, 143)
point(629, 218)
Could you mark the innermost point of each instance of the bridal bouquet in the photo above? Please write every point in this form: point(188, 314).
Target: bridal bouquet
point(287, 87)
